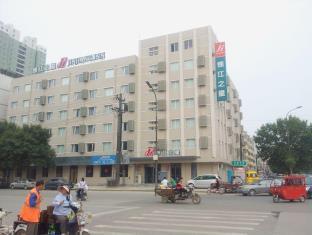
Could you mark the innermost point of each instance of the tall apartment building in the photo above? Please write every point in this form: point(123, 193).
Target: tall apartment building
point(5, 89)
point(249, 150)
point(18, 58)
point(196, 133)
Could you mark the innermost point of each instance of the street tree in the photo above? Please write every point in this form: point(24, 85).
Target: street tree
point(24, 146)
point(286, 145)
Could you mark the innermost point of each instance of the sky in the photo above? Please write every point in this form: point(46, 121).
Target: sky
point(268, 42)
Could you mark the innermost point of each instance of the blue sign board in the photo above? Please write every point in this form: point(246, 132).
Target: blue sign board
point(221, 78)
point(103, 160)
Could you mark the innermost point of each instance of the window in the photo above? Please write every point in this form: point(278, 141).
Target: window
point(189, 102)
point(38, 85)
point(64, 98)
point(125, 70)
point(108, 127)
point(188, 44)
point(76, 112)
point(93, 76)
point(60, 149)
point(109, 73)
point(49, 115)
point(26, 103)
point(125, 168)
point(59, 171)
point(124, 145)
point(190, 143)
point(14, 104)
point(49, 131)
point(174, 67)
point(175, 124)
point(108, 91)
point(24, 119)
point(174, 47)
point(153, 68)
point(92, 111)
point(65, 81)
point(90, 147)
point(106, 171)
point(36, 117)
point(16, 89)
point(77, 95)
point(189, 82)
point(50, 99)
point(92, 94)
point(124, 89)
point(188, 64)
point(89, 171)
point(51, 83)
point(107, 148)
point(189, 122)
point(12, 119)
point(175, 85)
point(175, 144)
point(45, 172)
point(37, 101)
point(108, 109)
point(74, 148)
point(153, 51)
point(91, 129)
point(61, 131)
point(63, 115)
point(125, 126)
point(76, 130)
point(79, 77)
point(27, 88)
point(175, 104)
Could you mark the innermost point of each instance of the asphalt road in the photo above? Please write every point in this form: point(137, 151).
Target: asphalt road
point(143, 213)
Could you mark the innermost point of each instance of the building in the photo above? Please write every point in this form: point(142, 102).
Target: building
point(249, 150)
point(18, 58)
point(5, 88)
point(196, 133)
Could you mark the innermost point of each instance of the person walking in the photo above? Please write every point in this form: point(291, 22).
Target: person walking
point(30, 211)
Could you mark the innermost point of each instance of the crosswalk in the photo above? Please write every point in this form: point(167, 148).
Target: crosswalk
point(186, 221)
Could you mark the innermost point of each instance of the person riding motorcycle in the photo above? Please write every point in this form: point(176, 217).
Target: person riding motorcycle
point(180, 187)
point(82, 189)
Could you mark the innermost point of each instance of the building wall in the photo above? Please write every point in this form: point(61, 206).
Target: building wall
point(5, 87)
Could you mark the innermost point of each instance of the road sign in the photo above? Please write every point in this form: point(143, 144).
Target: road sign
point(149, 152)
point(239, 163)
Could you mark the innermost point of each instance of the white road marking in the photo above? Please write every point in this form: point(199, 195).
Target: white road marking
point(221, 211)
point(184, 225)
point(194, 221)
point(201, 217)
point(208, 213)
point(114, 211)
point(184, 231)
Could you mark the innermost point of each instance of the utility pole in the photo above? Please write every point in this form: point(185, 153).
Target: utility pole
point(119, 110)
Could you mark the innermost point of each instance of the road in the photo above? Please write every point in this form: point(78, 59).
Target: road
point(142, 213)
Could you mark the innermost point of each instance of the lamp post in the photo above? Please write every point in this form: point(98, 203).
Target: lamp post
point(155, 157)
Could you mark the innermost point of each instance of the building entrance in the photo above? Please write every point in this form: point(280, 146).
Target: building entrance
point(149, 173)
point(176, 171)
point(73, 174)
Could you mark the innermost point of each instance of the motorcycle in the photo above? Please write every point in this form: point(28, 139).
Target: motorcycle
point(173, 195)
point(81, 194)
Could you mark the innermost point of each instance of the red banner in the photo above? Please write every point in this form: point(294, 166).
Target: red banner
point(219, 49)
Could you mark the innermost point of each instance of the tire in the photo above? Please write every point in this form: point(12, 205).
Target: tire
point(191, 185)
point(20, 232)
point(25, 187)
point(276, 199)
point(85, 233)
point(252, 192)
point(302, 199)
point(196, 198)
point(12, 187)
point(172, 199)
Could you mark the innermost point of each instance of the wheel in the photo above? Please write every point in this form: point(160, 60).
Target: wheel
point(252, 192)
point(25, 187)
point(196, 199)
point(20, 232)
point(85, 233)
point(302, 199)
point(172, 199)
point(191, 185)
point(276, 199)
point(12, 187)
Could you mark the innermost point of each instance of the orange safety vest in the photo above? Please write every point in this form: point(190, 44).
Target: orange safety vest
point(31, 214)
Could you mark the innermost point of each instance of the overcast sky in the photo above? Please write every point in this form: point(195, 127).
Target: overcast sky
point(268, 43)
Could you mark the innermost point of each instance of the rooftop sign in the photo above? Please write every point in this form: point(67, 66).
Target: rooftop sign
point(65, 62)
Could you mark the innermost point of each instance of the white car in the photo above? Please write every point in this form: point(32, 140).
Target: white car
point(22, 184)
point(203, 181)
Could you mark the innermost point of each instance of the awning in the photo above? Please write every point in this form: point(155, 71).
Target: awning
point(86, 160)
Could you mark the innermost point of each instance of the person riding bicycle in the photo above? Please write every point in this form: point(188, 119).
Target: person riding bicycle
point(82, 187)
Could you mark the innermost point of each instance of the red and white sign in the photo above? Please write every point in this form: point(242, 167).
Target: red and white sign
point(149, 152)
point(220, 49)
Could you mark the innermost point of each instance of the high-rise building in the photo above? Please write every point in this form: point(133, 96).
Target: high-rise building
point(197, 134)
point(19, 58)
point(5, 89)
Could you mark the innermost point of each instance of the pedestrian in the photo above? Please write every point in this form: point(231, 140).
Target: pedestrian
point(164, 182)
point(172, 182)
point(30, 211)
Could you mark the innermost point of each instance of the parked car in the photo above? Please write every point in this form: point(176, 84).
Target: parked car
point(22, 184)
point(203, 181)
point(263, 187)
point(54, 183)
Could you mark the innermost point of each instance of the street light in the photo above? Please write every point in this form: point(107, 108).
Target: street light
point(155, 157)
point(299, 107)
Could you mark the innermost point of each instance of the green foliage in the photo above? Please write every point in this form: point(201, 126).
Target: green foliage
point(24, 146)
point(286, 145)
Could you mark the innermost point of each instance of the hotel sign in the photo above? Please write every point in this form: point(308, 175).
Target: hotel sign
point(221, 78)
point(65, 62)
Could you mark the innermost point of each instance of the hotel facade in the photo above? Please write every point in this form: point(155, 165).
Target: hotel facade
point(196, 133)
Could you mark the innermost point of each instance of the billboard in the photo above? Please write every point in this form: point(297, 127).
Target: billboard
point(221, 77)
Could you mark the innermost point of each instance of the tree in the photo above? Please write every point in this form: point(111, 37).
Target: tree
point(24, 146)
point(286, 145)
